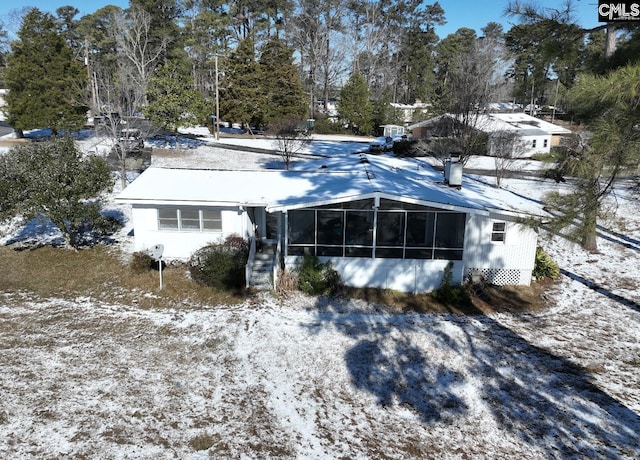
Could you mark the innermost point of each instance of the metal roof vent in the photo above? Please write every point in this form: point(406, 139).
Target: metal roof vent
point(453, 173)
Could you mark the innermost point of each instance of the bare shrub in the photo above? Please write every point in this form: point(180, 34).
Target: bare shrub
point(287, 283)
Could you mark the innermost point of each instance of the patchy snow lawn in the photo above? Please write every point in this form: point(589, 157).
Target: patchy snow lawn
point(323, 378)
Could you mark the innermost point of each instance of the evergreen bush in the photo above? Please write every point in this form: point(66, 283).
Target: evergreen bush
point(545, 267)
point(450, 294)
point(221, 265)
point(316, 278)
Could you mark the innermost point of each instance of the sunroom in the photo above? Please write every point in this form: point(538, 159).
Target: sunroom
point(377, 241)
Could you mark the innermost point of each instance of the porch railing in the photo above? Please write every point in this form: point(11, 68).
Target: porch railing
point(276, 264)
point(248, 269)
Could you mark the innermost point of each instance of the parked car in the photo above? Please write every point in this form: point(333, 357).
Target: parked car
point(381, 144)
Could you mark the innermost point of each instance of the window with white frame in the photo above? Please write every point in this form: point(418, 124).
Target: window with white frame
point(546, 142)
point(189, 219)
point(498, 232)
point(534, 143)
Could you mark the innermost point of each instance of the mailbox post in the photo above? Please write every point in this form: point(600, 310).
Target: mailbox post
point(156, 254)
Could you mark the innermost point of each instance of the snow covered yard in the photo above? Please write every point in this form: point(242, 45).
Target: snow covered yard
point(327, 378)
point(317, 378)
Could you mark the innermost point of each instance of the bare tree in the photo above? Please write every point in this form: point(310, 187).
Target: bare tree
point(138, 55)
point(317, 33)
point(473, 79)
point(506, 147)
point(124, 134)
point(289, 138)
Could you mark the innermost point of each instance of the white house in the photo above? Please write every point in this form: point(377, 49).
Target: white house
point(535, 135)
point(382, 222)
point(410, 112)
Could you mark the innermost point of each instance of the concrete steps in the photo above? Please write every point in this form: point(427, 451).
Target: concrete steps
point(262, 272)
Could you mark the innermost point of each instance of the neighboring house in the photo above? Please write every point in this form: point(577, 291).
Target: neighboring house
point(382, 222)
point(536, 135)
point(392, 130)
point(410, 112)
point(520, 120)
point(330, 108)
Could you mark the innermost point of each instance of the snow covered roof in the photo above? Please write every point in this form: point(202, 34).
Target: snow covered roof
point(521, 119)
point(516, 121)
point(324, 181)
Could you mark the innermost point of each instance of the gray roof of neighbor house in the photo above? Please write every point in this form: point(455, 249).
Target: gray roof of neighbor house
point(324, 181)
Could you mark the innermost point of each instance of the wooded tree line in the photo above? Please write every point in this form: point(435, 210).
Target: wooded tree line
point(169, 59)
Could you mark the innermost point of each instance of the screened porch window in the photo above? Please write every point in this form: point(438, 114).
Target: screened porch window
point(406, 232)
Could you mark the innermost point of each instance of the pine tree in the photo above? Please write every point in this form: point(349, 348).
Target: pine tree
point(610, 105)
point(241, 97)
point(282, 87)
point(47, 86)
point(172, 103)
point(355, 105)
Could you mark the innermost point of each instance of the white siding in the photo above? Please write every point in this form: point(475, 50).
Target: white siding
point(401, 275)
point(508, 262)
point(181, 244)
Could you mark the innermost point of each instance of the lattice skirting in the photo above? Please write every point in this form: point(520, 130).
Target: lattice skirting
point(501, 276)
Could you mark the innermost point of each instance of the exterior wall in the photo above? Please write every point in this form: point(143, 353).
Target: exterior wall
point(540, 146)
point(401, 275)
point(181, 244)
point(527, 149)
point(508, 262)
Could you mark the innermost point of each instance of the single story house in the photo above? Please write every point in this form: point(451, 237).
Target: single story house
point(534, 135)
point(410, 112)
point(392, 130)
point(382, 222)
point(521, 120)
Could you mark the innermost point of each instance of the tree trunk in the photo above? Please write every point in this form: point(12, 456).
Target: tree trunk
point(610, 43)
point(589, 235)
point(589, 229)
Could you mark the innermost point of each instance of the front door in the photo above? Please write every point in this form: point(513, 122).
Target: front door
point(272, 220)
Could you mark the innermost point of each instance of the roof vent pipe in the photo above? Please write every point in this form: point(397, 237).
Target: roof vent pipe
point(447, 170)
point(452, 173)
point(455, 175)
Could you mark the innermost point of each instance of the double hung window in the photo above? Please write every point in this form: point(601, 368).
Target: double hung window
point(189, 219)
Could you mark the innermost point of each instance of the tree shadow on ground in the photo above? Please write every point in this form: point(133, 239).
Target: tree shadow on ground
point(602, 290)
point(426, 363)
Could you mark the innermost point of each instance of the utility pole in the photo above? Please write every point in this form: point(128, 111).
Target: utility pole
point(217, 124)
point(89, 77)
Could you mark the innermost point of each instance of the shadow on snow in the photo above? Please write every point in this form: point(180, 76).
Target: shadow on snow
point(601, 290)
point(427, 363)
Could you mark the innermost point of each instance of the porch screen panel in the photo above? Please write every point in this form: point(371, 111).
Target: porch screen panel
point(390, 233)
point(420, 233)
point(449, 235)
point(301, 232)
point(358, 233)
point(359, 228)
point(330, 229)
point(420, 226)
